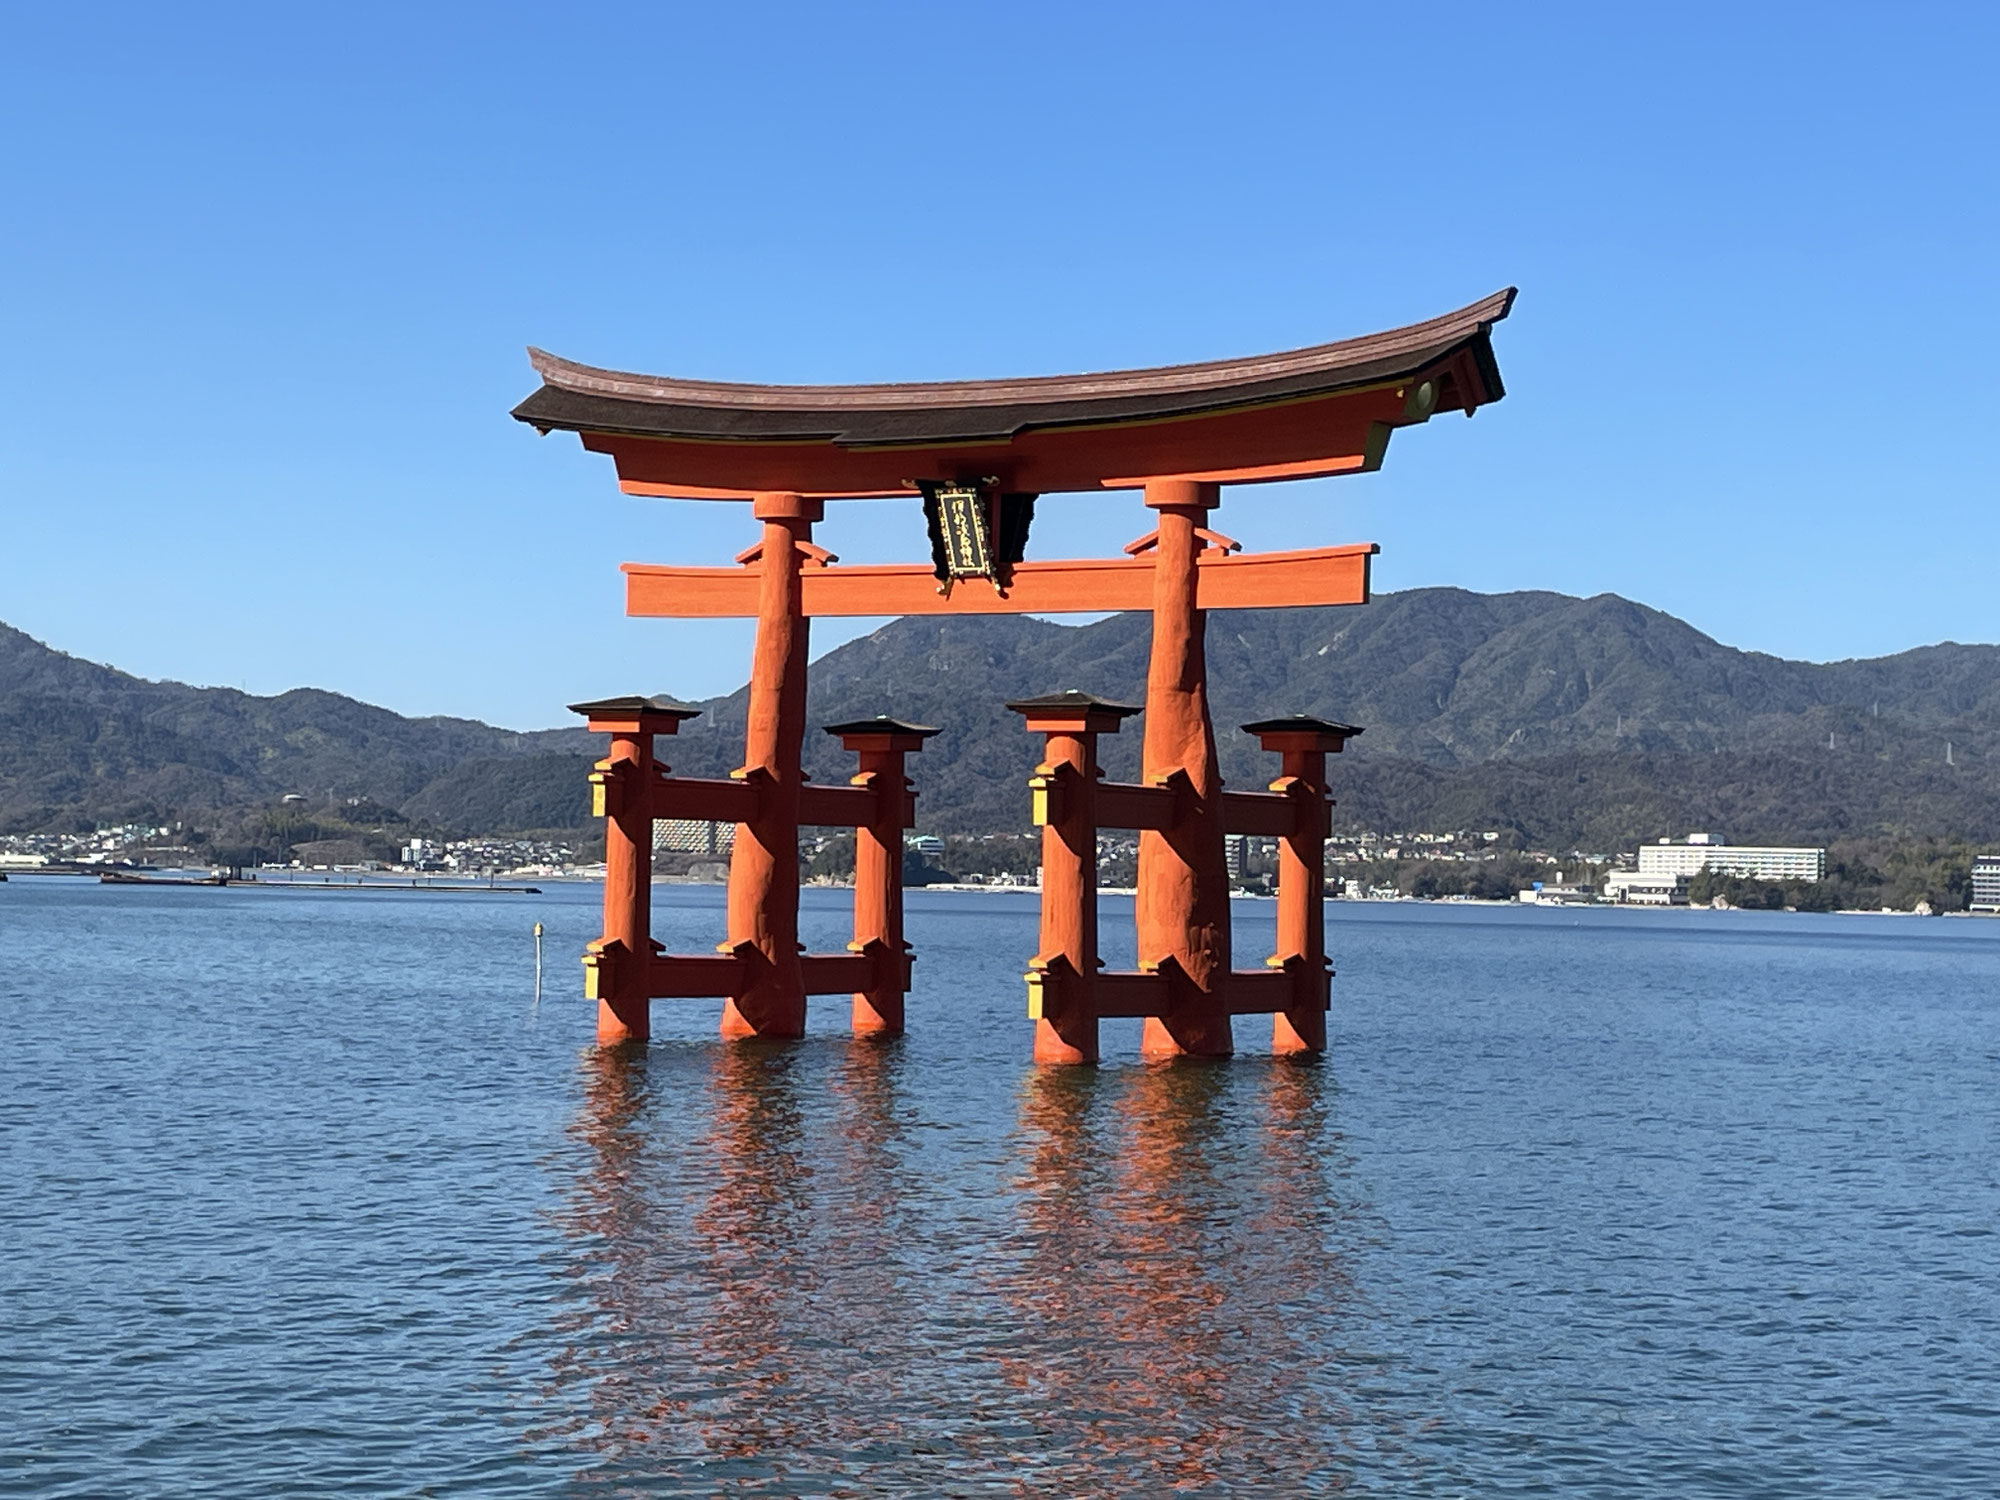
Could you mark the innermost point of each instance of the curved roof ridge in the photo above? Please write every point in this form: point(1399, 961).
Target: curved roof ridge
point(1219, 374)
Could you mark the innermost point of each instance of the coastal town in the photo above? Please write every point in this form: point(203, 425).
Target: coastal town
point(1698, 869)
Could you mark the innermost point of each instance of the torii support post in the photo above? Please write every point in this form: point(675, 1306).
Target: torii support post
point(1303, 744)
point(1183, 900)
point(764, 864)
point(878, 866)
point(617, 963)
point(1062, 976)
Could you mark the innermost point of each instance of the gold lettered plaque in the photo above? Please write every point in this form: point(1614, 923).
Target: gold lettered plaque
point(964, 521)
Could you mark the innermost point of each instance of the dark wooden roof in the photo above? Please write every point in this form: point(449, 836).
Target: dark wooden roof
point(633, 705)
point(1301, 724)
point(581, 398)
point(1072, 700)
point(882, 724)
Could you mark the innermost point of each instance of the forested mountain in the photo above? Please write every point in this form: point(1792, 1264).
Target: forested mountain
point(81, 742)
point(1571, 721)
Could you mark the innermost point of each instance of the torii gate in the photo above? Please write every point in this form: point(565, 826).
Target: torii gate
point(979, 453)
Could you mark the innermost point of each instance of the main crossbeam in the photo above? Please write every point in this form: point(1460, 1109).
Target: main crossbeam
point(1254, 580)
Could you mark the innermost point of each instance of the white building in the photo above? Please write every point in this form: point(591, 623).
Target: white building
point(693, 836)
point(1556, 895)
point(1632, 888)
point(1689, 857)
point(1986, 882)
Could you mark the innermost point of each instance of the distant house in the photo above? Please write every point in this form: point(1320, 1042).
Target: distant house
point(1688, 857)
point(1986, 882)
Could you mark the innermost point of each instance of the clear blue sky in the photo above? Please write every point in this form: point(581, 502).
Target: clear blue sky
point(266, 276)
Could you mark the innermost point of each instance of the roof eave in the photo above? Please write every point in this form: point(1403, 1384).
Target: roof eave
point(556, 408)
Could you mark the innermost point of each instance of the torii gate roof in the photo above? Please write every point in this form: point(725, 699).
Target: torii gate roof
point(1327, 409)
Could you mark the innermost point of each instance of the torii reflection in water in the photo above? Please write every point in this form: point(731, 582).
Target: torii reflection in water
point(1179, 1245)
point(796, 1280)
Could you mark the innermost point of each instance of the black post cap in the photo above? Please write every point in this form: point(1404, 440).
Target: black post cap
point(882, 724)
point(633, 705)
point(1075, 702)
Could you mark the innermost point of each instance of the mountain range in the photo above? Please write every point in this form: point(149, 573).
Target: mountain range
point(1572, 722)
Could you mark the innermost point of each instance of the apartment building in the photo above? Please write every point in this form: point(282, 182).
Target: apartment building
point(1688, 857)
point(1986, 882)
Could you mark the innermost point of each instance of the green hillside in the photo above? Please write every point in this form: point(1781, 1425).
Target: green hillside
point(1572, 722)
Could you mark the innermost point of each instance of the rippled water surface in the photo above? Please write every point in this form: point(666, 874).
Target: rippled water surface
point(301, 1195)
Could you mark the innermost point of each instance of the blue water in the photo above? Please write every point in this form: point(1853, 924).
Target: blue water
point(302, 1196)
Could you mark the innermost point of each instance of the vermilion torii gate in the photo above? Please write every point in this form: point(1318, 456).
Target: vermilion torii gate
point(978, 453)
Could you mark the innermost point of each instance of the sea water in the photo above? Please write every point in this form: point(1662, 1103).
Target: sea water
point(301, 1194)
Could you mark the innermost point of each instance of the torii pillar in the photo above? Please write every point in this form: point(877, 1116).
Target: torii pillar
point(764, 863)
point(1183, 900)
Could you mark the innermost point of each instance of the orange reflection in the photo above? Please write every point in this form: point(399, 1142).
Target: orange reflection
point(744, 1199)
point(793, 1282)
point(1177, 1276)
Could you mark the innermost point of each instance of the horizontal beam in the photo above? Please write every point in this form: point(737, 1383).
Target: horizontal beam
point(718, 801)
point(1135, 994)
point(1130, 994)
point(842, 807)
point(1259, 992)
point(696, 976)
point(1122, 804)
point(837, 973)
point(1260, 812)
point(716, 976)
point(710, 799)
point(1255, 580)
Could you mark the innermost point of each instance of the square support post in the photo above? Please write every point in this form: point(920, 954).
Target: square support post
point(617, 964)
point(1303, 745)
point(1183, 900)
point(1063, 974)
point(764, 864)
point(878, 866)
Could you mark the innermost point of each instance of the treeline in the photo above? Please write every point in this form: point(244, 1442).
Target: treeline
point(1862, 875)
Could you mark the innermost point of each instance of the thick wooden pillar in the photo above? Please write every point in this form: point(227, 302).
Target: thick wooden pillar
point(617, 964)
point(1183, 900)
point(878, 866)
point(1062, 976)
point(1301, 1026)
point(764, 864)
point(624, 1010)
point(1303, 745)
